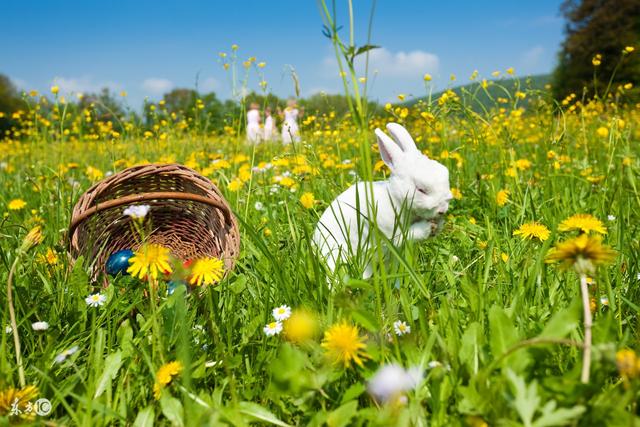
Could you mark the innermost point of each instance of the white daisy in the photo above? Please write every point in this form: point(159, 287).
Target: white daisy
point(258, 206)
point(40, 326)
point(281, 313)
point(8, 330)
point(273, 328)
point(63, 356)
point(137, 211)
point(604, 301)
point(95, 300)
point(611, 217)
point(391, 381)
point(401, 328)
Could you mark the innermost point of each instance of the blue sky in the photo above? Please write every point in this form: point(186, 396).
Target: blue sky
point(147, 47)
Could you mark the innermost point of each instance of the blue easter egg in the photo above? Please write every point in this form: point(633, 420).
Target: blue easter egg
point(172, 285)
point(118, 262)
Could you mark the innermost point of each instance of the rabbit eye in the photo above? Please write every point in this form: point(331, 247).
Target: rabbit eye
point(424, 191)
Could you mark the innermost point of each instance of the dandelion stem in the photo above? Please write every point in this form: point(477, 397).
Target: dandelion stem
point(588, 321)
point(14, 324)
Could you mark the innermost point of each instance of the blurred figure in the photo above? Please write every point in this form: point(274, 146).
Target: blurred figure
point(253, 123)
point(270, 130)
point(290, 132)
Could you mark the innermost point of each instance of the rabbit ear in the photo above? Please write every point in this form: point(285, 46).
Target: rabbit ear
point(389, 150)
point(402, 137)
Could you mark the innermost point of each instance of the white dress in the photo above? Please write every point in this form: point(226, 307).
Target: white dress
point(269, 129)
point(253, 125)
point(290, 126)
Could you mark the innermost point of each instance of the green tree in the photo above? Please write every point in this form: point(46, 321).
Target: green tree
point(106, 107)
point(603, 27)
point(10, 102)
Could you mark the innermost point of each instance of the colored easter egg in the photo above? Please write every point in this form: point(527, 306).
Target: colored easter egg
point(173, 285)
point(118, 262)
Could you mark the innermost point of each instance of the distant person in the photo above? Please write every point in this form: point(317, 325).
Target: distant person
point(270, 130)
point(253, 123)
point(290, 131)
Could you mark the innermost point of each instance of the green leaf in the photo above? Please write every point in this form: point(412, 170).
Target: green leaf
point(78, 279)
point(342, 416)
point(563, 322)
point(503, 333)
point(145, 418)
point(365, 48)
point(472, 342)
point(366, 319)
point(557, 417)
point(261, 413)
point(353, 392)
point(172, 409)
point(112, 365)
point(526, 399)
point(125, 338)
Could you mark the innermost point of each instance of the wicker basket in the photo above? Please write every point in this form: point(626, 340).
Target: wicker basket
point(188, 215)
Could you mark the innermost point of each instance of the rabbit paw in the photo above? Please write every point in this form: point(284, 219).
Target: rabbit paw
point(420, 230)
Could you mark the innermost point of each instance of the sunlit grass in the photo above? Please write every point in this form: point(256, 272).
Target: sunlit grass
point(492, 325)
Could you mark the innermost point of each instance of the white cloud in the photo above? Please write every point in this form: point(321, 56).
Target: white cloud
point(531, 58)
point(403, 64)
point(157, 86)
point(83, 84)
point(209, 85)
point(385, 63)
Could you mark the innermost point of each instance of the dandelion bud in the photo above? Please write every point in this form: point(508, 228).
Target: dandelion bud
point(33, 238)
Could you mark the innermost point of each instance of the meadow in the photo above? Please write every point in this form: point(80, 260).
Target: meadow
point(472, 327)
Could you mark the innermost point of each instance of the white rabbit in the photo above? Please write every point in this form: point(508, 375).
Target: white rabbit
point(417, 194)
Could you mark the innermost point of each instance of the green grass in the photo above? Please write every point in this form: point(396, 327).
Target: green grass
point(505, 330)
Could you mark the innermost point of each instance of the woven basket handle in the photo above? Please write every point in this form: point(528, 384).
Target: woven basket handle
point(127, 200)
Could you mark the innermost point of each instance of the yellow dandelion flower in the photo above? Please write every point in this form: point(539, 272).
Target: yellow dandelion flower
point(602, 132)
point(12, 399)
point(627, 363)
point(165, 375)
point(502, 197)
point(207, 271)
point(523, 164)
point(596, 60)
point(583, 253)
point(307, 200)
point(235, 185)
point(16, 204)
point(300, 327)
point(583, 222)
point(149, 259)
point(533, 230)
point(457, 194)
point(343, 344)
